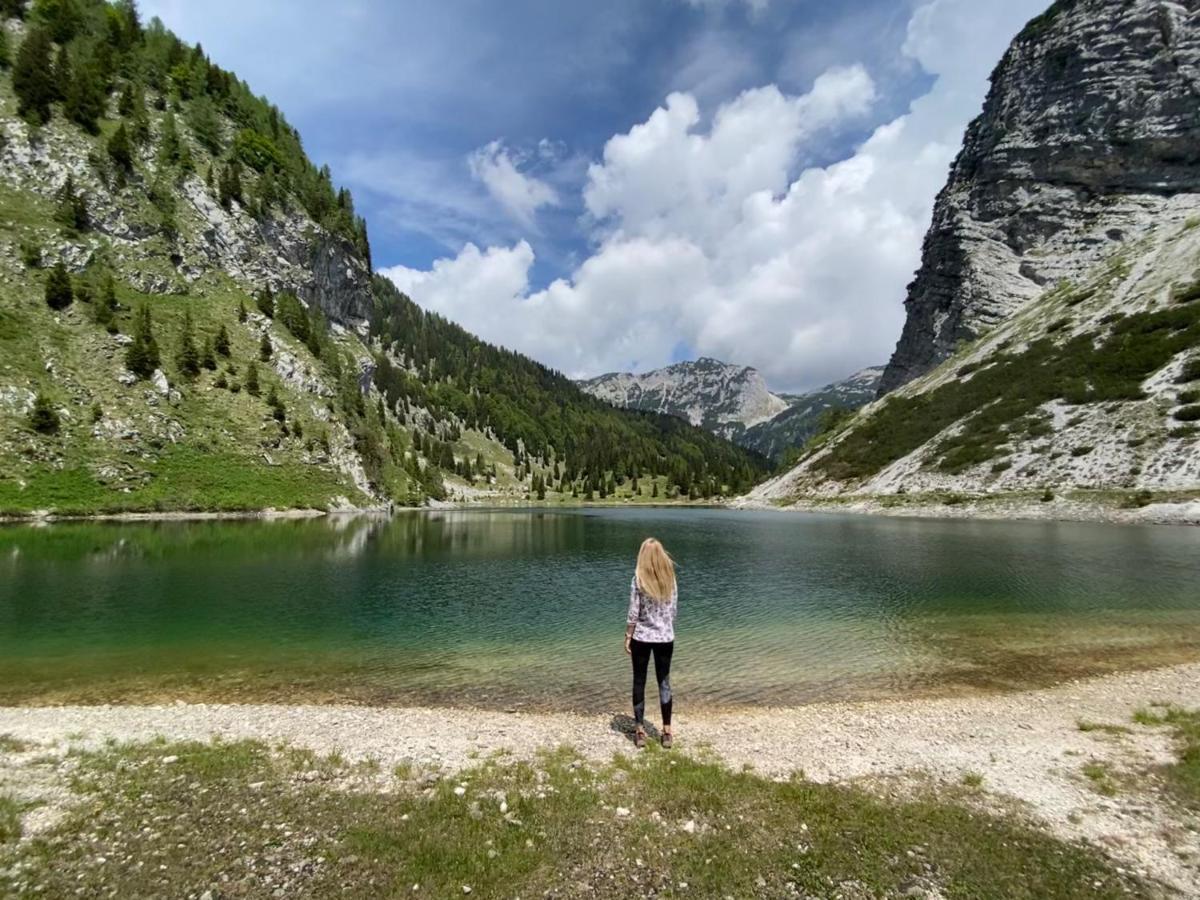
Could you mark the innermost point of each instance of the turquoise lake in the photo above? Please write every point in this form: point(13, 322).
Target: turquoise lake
point(525, 608)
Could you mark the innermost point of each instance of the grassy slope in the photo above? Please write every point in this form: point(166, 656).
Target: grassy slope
point(245, 820)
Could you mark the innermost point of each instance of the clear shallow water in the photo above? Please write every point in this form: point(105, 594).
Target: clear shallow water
point(526, 608)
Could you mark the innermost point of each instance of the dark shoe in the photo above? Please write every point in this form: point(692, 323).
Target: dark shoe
point(667, 740)
point(639, 739)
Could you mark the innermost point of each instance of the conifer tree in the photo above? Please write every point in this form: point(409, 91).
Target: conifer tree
point(5, 58)
point(278, 410)
point(33, 80)
point(125, 103)
point(70, 210)
point(61, 17)
point(252, 386)
point(105, 309)
point(221, 342)
point(208, 359)
point(241, 311)
point(58, 287)
point(141, 356)
point(265, 301)
point(43, 417)
point(187, 358)
point(169, 148)
point(61, 75)
point(264, 347)
point(83, 98)
point(120, 150)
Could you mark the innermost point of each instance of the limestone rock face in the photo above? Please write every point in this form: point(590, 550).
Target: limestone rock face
point(1088, 139)
point(723, 398)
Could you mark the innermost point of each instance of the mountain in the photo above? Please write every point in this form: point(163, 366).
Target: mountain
point(792, 428)
point(734, 401)
point(1053, 334)
point(1089, 136)
point(189, 319)
point(722, 398)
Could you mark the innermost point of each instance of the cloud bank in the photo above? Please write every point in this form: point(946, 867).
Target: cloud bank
point(719, 238)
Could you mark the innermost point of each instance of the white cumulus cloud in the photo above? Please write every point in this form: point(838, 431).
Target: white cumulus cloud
point(724, 240)
point(520, 194)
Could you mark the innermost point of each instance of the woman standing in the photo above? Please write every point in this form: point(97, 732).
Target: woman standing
point(650, 629)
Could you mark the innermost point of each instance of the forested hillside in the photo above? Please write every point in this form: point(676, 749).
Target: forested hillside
point(188, 318)
point(539, 412)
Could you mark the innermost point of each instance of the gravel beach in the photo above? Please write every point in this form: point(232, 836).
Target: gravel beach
point(1028, 747)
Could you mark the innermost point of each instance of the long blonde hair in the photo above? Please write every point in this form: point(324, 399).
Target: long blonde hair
point(655, 570)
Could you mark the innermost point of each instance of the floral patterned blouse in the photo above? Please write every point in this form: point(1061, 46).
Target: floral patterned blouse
point(653, 620)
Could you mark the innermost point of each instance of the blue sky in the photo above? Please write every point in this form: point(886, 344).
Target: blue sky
point(618, 185)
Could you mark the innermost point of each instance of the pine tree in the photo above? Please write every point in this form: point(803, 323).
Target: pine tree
point(208, 359)
point(58, 287)
point(187, 358)
point(62, 76)
point(125, 103)
point(84, 96)
point(131, 30)
point(169, 148)
point(105, 309)
point(43, 417)
point(541, 488)
point(221, 343)
point(264, 347)
point(265, 301)
point(252, 387)
point(241, 311)
point(119, 148)
point(141, 356)
point(33, 80)
point(279, 411)
point(654, 490)
point(70, 210)
point(5, 58)
point(61, 17)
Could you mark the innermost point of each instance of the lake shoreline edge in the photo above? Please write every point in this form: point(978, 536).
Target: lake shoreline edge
point(1010, 508)
point(997, 508)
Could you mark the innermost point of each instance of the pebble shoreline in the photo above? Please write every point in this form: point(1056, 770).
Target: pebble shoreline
point(1027, 746)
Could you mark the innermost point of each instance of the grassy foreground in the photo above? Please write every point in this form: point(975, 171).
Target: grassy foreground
point(246, 820)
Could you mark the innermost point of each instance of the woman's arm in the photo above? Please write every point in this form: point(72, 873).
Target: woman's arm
point(632, 616)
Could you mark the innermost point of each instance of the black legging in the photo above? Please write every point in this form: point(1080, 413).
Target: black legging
point(640, 652)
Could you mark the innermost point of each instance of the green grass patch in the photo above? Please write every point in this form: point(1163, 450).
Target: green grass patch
point(1106, 727)
point(1189, 413)
point(972, 779)
point(1003, 399)
point(1183, 776)
point(643, 826)
point(1101, 778)
point(11, 744)
point(184, 479)
point(10, 819)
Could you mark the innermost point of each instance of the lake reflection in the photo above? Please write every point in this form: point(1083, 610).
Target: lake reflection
point(526, 608)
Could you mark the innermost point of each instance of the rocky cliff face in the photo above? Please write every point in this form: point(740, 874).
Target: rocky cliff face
point(1089, 138)
point(284, 250)
point(723, 398)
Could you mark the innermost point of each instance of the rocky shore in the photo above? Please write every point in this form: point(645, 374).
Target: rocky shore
point(1034, 752)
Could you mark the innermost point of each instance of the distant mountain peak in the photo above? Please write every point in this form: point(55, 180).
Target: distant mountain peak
point(724, 398)
point(732, 400)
